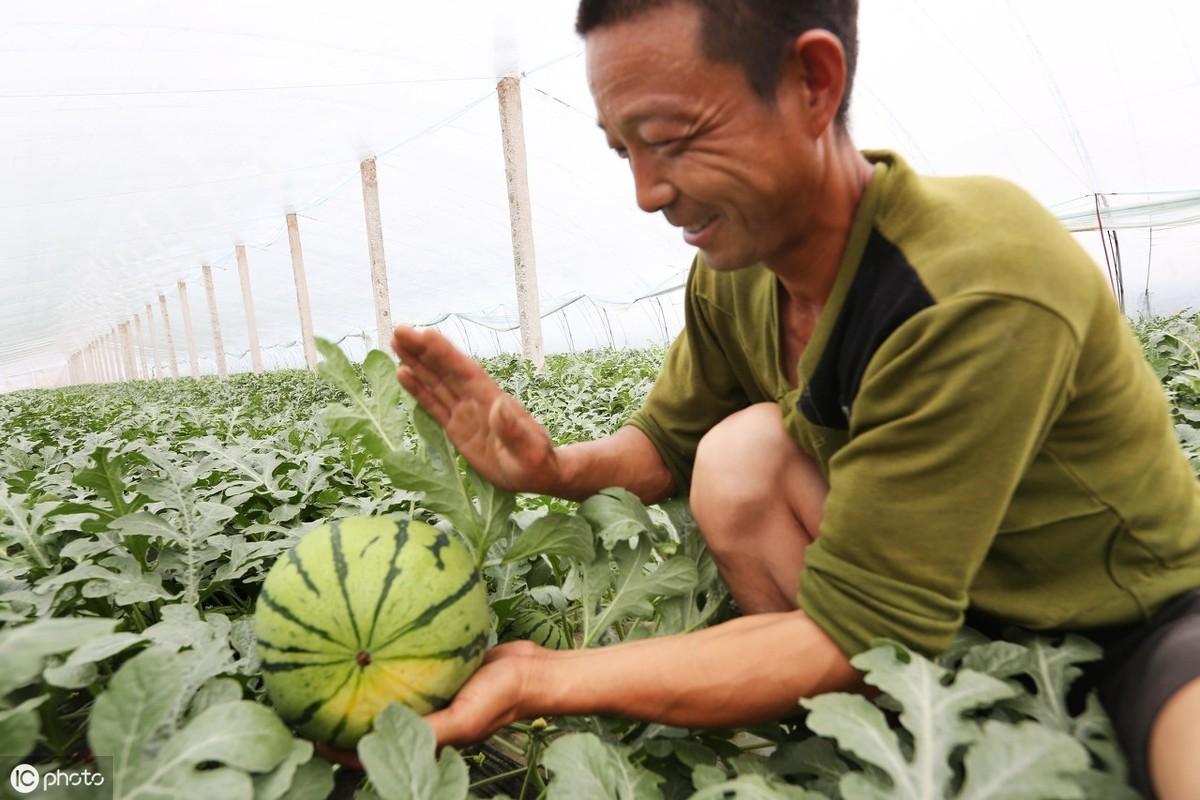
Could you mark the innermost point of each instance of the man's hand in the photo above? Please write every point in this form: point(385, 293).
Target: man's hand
point(494, 696)
point(494, 433)
point(491, 699)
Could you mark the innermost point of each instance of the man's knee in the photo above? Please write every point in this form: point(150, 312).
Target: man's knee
point(739, 464)
point(747, 467)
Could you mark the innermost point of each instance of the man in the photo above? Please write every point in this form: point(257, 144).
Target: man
point(894, 398)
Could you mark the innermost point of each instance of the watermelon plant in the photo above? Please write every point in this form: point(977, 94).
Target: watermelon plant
point(138, 523)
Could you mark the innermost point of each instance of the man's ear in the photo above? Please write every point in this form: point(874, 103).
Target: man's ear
point(813, 79)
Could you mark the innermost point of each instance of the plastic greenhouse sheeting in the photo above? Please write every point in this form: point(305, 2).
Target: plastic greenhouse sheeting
point(145, 139)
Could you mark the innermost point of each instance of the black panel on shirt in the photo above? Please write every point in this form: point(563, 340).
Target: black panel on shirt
point(885, 293)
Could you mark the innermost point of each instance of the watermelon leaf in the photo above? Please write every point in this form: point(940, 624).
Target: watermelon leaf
point(586, 767)
point(118, 577)
point(616, 515)
point(933, 712)
point(1052, 667)
point(634, 586)
point(554, 534)
point(754, 787)
point(138, 703)
point(399, 757)
point(23, 648)
point(107, 480)
point(19, 727)
point(378, 418)
point(24, 525)
point(815, 759)
point(313, 781)
point(495, 508)
point(275, 783)
point(694, 608)
point(1025, 760)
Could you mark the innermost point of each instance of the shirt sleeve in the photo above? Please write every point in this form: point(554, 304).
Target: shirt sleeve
point(951, 411)
point(695, 390)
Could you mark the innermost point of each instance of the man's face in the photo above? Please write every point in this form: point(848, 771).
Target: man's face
point(736, 174)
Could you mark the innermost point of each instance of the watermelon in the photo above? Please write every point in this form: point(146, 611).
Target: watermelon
point(367, 611)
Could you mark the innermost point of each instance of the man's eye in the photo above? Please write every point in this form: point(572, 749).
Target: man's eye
point(667, 147)
point(621, 152)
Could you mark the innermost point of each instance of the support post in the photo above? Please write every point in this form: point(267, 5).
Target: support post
point(140, 346)
point(218, 344)
point(248, 305)
point(123, 331)
point(379, 284)
point(115, 350)
point(512, 130)
point(306, 327)
point(172, 361)
point(193, 358)
point(155, 371)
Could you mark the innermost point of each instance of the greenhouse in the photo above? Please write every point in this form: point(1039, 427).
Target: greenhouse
point(281, 281)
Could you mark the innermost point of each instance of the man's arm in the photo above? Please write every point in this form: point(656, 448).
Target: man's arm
point(627, 458)
point(506, 445)
point(743, 672)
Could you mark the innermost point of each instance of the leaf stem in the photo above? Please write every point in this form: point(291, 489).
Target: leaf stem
point(512, 773)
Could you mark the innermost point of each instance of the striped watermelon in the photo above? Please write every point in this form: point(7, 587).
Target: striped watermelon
point(367, 611)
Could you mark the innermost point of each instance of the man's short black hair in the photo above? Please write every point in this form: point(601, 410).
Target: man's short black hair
point(754, 34)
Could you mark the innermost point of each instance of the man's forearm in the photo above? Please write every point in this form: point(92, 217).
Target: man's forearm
point(743, 672)
point(627, 458)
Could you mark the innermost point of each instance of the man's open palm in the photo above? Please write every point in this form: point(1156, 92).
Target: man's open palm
point(494, 432)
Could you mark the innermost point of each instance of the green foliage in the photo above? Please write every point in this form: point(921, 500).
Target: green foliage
point(1172, 346)
point(400, 761)
point(137, 520)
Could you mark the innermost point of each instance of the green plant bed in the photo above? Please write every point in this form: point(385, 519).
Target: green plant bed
point(137, 523)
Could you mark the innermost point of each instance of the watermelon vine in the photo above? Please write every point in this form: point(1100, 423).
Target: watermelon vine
point(138, 522)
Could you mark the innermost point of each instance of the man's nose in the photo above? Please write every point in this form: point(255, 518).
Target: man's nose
point(654, 192)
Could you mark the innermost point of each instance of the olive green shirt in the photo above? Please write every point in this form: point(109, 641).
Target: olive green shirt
point(991, 432)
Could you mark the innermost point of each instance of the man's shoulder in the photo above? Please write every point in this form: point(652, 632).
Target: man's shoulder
point(985, 235)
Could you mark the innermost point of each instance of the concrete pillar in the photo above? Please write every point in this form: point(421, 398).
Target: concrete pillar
point(215, 322)
point(248, 305)
point(172, 361)
point(140, 345)
point(154, 372)
point(102, 354)
point(379, 285)
point(193, 358)
point(126, 337)
point(306, 326)
point(512, 130)
point(117, 358)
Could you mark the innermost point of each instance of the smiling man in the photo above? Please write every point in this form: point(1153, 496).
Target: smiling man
point(898, 403)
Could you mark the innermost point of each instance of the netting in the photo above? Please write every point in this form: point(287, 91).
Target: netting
point(146, 140)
